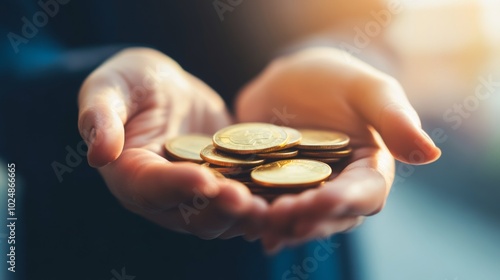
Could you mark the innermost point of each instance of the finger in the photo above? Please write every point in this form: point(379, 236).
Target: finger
point(235, 210)
point(282, 213)
point(283, 216)
point(384, 105)
point(252, 224)
point(223, 216)
point(255, 224)
point(152, 184)
point(359, 190)
point(281, 219)
point(234, 199)
point(102, 113)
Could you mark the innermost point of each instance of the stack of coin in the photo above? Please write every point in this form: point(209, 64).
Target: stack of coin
point(270, 160)
point(325, 146)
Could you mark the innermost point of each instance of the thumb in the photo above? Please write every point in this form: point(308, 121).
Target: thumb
point(101, 118)
point(386, 107)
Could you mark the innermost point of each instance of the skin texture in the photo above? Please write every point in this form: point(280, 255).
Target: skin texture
point(139, 98)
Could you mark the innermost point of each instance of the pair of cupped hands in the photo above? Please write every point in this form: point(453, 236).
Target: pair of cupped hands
point(139, 98)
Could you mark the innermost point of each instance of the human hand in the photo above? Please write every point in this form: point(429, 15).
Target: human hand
point(325, 88)
point(128, 108)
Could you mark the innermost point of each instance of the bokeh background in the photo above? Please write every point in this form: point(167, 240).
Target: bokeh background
point(441, 221)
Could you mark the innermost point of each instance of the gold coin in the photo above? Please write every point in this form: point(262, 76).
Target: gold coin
point(187, 147)
point(322, 140)
point(212, 155)
point(327, 153)
point(250, 138)
point(291, 173)
point(294, 137)
point(324, 160)
point(281, 154)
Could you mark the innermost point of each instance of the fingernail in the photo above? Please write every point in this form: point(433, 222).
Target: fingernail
point(427, 147)
point(428, 137)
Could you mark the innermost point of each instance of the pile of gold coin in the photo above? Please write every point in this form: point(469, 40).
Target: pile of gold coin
point(270, 160)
